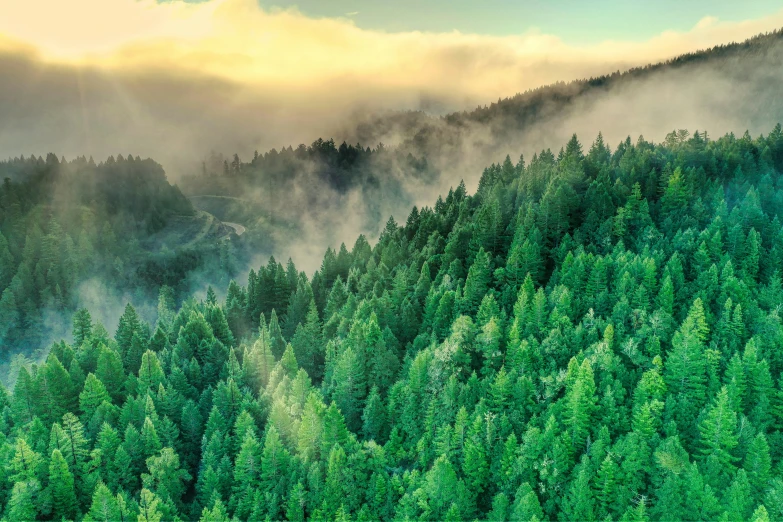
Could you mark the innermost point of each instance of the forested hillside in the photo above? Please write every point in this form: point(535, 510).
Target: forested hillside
point(593, 335)
point(64, 222)
point(301, 194)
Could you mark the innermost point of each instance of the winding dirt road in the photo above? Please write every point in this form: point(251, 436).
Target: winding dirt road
point(239, 229)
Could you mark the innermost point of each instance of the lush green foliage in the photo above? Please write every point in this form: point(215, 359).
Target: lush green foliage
point(64, 222)
point(589, 336)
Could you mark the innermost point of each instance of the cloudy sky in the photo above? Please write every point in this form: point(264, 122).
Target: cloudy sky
point(174, 78)
point(574, 21)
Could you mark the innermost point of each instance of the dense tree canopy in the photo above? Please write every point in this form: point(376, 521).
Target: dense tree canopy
point(592, 335)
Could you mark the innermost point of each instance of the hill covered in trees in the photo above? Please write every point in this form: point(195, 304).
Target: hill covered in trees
point(592, 335)
point(62, 223)
point(305, 191)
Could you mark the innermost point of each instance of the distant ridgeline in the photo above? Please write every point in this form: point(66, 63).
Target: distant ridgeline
point(590, 336)
point(63, 222)
point(134, 192)
point(526, 108)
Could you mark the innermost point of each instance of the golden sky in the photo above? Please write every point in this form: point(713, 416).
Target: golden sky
point(289, 52)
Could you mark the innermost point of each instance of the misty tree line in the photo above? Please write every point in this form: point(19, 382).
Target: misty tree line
point(62, 222)
point(341, 167)
point(283, 187)
point(525, 109)
point(589, 336)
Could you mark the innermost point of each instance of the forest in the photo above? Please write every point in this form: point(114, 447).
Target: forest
point(65, 222)
point(594, 334)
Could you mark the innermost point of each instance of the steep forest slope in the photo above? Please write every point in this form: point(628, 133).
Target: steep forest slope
point(589, 336)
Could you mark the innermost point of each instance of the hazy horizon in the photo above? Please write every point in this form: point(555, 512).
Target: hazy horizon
point(176, 80)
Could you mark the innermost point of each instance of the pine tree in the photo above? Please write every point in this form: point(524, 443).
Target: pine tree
point(111, 373)
point(274, 466)
point(374, 417)
point(758, 465)
point(129, 325)
point(477, 283)
point(441, 487)
point(216, 514)
point(605, 487)
point(760, 515)
point(23, 408)
point(22, 503)
point(64, 503)
point(475, 465)
point(132, 357)
point(108, 443)
point(26, 463)
point(9, 315)
point(247, 475)
point(308, 345)
point(686, 369)
point(579, 502)
point(82, 326)
point(148, 507)
point(579, 401)
point(718, 437)
point(288, 362)
point(165, 478)
point(296, 503)
point(60, 393)
point(737, 499)
point(93, 395)
point(211, 297)
point(7, 266)
point(150, 372)
point(150, 441)
point(276, 336)
point(104, 507)
point(74, 449)
point(526, 505)
point(220, 327)
point(348, 382)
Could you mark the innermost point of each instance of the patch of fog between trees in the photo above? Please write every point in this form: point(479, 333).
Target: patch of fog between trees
point(105, 302)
